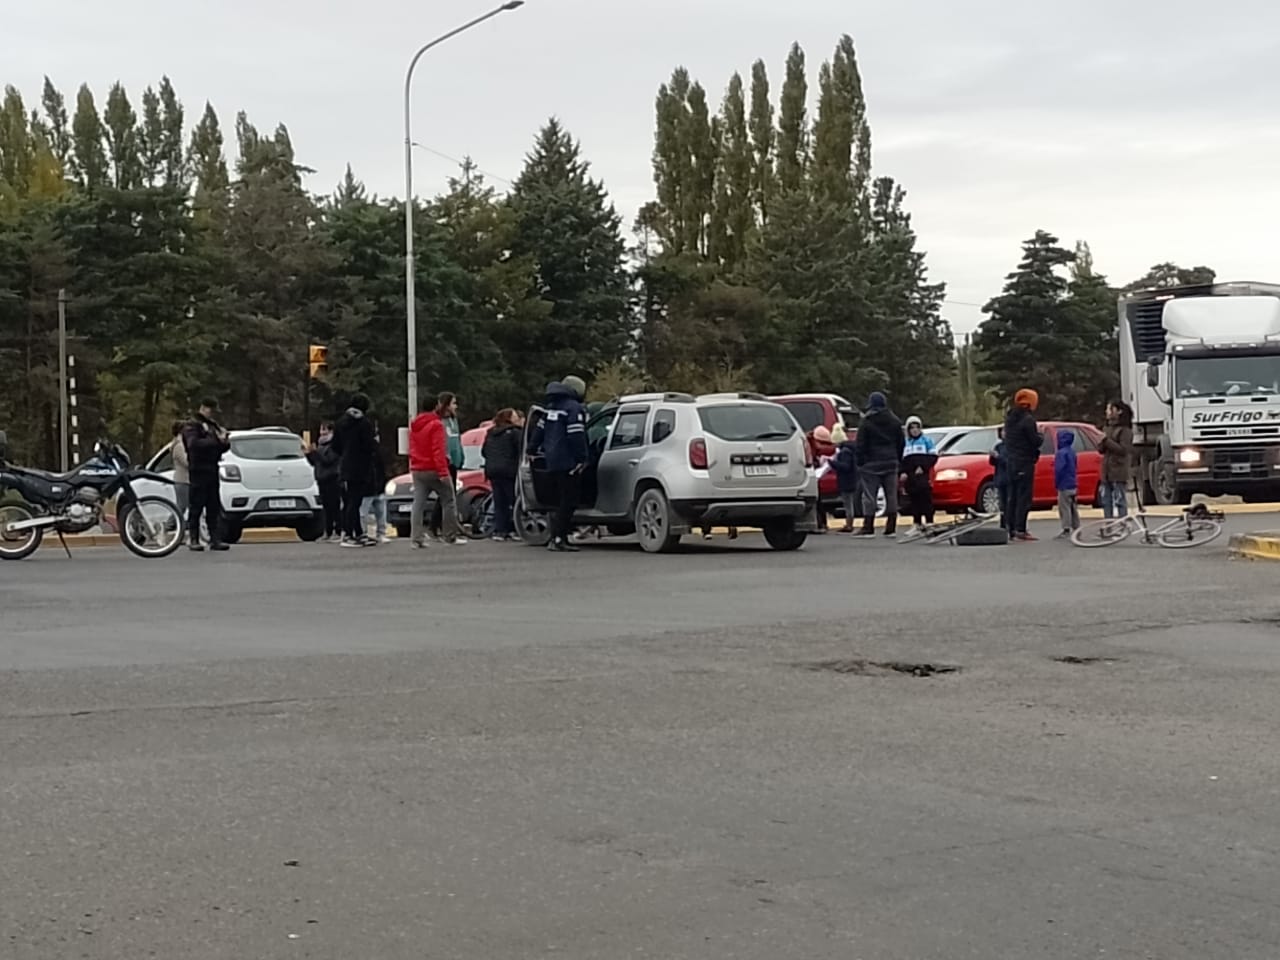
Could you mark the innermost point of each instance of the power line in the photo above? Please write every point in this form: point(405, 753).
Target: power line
point(444, 156)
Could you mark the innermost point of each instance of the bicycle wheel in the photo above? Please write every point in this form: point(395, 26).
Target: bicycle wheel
point(913, 534)
point(1191, 534)
point(1102, 533)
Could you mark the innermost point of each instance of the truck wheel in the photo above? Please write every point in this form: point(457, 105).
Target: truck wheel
point(1164, 485)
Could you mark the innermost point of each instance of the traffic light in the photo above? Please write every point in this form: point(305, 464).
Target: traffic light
point(319, 360)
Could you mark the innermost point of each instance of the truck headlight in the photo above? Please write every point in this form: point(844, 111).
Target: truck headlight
point(942, 476)
point(1188, 455)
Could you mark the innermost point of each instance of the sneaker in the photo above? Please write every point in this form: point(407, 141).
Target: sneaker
point(1026, 538)
point(498, 538)
point(891, 535)
point(419, 545)
point(196, 547)
point(456, 542)
point(350, 543)
point(1065, 534)
point(561, 546)
point(368, 541)
point(865, 533)
point(707, 535)
point(219, 547)
point(384, 539)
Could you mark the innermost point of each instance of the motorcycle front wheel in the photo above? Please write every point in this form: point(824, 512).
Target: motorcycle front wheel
point(21, 543)
point(151, 528)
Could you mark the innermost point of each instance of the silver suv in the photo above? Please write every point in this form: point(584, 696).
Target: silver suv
point(664, 464)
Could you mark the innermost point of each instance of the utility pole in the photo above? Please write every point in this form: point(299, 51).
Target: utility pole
point(64, 432)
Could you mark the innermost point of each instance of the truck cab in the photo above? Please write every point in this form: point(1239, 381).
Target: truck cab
point(1200, 365)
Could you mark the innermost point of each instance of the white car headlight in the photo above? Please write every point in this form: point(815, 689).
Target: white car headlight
point(1187, 455)
point(944, 475)
point(391, 488)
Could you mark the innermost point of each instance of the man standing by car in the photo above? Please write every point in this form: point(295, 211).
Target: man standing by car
point(879, 446)
point(447, 410)
point(1022, 450)
point(205, 442)
point(430, 466)
point(562, 437)
point(355, 440)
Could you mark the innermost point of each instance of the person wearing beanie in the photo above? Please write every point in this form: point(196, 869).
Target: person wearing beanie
point(845, 466)
point(577, 385)
point(824, 449)
point(879, 448)
point(1022, 449)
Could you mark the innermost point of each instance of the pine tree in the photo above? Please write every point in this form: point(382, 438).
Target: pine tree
point(672, 165)
point(841, 136)
point(566, 224)
point(16, 148)
point(793, 141)
point(1164, 275)
point(150, 134)
point(1022, 337)
point(89, 157)
point(169, 150)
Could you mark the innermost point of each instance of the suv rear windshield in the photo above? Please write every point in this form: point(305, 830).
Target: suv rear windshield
point(754, 421)
point(279, 446)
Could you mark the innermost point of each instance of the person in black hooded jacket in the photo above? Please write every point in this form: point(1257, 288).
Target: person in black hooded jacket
point(501, 452)
point(1022, 449)
point(355, 440)
point(879, 447)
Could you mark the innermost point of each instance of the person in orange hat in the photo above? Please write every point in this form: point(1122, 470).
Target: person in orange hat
point(1022, 448)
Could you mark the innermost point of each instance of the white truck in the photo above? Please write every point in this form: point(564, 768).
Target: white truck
point(1200, 365)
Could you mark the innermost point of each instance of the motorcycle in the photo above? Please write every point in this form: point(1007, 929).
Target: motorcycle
point(73, 502)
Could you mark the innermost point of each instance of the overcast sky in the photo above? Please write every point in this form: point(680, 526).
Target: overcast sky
point(1147, 128)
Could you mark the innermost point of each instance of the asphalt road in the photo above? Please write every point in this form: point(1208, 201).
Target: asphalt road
point(489, 752)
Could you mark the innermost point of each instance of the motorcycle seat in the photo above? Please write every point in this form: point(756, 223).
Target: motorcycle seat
point(46, 475)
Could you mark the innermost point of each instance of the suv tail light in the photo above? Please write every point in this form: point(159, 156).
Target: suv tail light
point(698, 454)
point(230, 472)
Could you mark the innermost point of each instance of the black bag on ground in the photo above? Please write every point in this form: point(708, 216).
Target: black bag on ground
point(983, 537)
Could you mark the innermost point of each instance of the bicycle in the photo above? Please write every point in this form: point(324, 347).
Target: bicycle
point(935, 533)
point(1195, 527)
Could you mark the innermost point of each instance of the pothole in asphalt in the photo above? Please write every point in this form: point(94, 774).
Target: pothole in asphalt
point(1085, 661)
point(882, 668)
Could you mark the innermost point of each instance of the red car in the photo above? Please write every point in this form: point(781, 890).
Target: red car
point(813, 410)
point(473, 485)
point(964, 476)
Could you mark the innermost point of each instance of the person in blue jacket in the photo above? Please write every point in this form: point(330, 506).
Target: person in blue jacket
point(562, 438)
point(848, 484)
point(1064, 480)
point(919, 454)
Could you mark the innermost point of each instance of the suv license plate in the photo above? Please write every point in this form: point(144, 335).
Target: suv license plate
point(282, 504)
point(758, 471)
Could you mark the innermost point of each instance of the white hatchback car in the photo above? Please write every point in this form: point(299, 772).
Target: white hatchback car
point(266, 481)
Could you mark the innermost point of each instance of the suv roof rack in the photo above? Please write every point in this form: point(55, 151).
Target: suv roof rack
point(668, 397)
point(738, 395)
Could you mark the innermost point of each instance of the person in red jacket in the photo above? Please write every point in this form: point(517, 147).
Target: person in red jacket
point(429, 464)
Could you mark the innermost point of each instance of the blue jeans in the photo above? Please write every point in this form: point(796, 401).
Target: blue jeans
point(375, 506)
point(1115, 503)
point(504, 501)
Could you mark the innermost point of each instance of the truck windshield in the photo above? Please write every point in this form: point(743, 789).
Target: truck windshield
point(1227, 376)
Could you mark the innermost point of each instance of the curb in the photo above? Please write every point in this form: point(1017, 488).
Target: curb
point(1264, 545)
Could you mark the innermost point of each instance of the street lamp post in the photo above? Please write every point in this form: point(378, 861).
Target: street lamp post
point(411, 318)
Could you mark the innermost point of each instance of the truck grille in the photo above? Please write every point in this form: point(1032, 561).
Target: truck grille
point(1217, 433)
point(1239, 463)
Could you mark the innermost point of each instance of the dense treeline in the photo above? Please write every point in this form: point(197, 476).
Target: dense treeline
point(773, 257)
